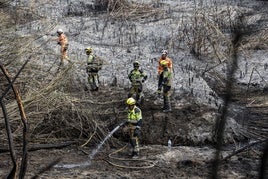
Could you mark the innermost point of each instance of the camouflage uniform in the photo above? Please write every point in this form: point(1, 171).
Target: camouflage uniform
point(92, 70)
point(165, 81)
point(137, 77)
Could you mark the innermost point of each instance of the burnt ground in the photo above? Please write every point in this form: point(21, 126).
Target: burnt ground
point(186, 159)
point(155, 162)
point(86, 118)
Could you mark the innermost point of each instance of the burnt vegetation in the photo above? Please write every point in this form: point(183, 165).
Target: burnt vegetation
point(42, 104)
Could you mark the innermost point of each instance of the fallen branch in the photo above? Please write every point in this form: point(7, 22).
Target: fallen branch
point(3, 150)
point(10, 84)
point(24, 160)
point(23, 119)
point(42, 146)
point(48, 167)
point(243, 148)
point(50, 146)
point(13, 172)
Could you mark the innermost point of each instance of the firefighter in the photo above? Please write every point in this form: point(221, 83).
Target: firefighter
point(63, 42)
point(94, 64)
point(164, 57)
point(133, 123)
point(160, 68)
point(164, 84)
point(137, 77)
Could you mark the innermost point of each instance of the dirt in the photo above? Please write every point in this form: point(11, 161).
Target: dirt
point(75, 117)
point(184, 160)
point(155, 162)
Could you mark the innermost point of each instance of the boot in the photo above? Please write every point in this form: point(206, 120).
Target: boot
point(167, 110)
point(135, 155)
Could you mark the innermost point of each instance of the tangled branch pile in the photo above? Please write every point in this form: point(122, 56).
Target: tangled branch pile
point(209, 34)
point(122, 9)
point(55, 105)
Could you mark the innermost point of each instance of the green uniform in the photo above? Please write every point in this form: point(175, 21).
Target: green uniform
point(93, 67)
point(165, 81)
point(137, 77)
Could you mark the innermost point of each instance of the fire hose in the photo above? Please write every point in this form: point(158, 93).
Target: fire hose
point(147, 163)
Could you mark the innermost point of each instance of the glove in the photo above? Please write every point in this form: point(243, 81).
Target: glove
point(136, 132)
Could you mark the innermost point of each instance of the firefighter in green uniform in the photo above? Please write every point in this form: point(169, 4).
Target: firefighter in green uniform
point(93, 67)
point(136, 76)
point(134, 122)
point(164, 83)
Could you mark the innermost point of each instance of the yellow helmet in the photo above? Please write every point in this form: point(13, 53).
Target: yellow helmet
point(164, 63)
point(131, 101)
point(88, 50)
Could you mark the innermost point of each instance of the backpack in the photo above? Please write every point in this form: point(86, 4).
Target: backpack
point(98, 61)
point(96, 64)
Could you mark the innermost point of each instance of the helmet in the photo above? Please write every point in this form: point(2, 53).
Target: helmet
point(164, 52)
point(164, 63)
point(88, 50)
point(131, 101)
point(59, 31)
point(136, 64)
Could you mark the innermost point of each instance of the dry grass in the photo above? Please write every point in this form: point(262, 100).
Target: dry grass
point(54, 114)
point(122, 9)
point(53, 111)
point(255, 41)
point(209, 34)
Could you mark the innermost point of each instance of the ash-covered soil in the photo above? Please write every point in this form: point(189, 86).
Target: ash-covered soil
point(59, 110)
point(156, 161)
point(112, 160)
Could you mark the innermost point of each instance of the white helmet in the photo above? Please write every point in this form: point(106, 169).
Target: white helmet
point(164, 52)
point(59, 31)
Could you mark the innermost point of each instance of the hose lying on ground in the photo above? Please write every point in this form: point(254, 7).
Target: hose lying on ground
point(148, 163)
